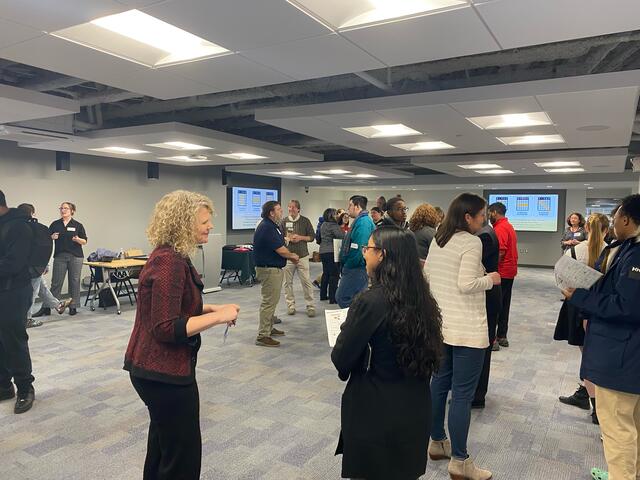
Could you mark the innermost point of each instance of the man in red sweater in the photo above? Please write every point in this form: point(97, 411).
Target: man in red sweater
point(507, 266)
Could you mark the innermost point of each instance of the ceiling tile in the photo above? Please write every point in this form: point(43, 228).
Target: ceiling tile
point(517, 23)
point(77, 61)
point(239, 24)
point(315, 57)
point(19, 104)
point(448, 34)
point(51, 15)
point(229, 72)
point(12, 33)
point(497, 106)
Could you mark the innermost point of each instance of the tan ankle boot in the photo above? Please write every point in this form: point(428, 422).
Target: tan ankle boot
point(466, 470)
point(440, 449)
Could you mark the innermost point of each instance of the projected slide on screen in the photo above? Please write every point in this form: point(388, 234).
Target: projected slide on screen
point(246, 206)
point(530, 212)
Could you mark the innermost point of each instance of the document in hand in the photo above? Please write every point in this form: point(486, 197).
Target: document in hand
point(571, 273)
point(334, 318)
point(337, 245)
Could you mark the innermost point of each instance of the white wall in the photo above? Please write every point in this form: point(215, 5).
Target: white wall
point(114, 198)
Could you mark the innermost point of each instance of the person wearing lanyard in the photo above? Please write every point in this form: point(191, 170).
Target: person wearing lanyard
point(271, 257)
point(69, 237)
point(611, 354)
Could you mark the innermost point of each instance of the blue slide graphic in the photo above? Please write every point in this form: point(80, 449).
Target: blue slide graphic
point(530, 212)
point(246, 206)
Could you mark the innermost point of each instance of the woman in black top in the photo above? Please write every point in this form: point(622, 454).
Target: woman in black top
point(575, 232)
point(69, 237)
point(389, 344)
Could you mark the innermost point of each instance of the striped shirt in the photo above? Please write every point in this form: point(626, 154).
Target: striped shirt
point(458, 283)
point(300, 226)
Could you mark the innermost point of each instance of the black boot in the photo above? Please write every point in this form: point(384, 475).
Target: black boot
point(594, 415)
point(24, 402)
point(579, 399)
point(43, 312)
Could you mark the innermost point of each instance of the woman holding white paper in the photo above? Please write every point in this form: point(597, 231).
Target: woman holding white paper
point(388, 346)
point(571, 325)
point(329, 231)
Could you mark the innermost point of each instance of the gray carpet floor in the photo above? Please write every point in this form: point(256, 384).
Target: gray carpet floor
point(275, 413)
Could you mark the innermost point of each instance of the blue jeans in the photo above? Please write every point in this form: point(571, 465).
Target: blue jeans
point(459, 372)
point(352, 282)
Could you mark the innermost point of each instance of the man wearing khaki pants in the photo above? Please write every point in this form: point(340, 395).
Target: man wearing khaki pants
point(271, 256)
point(299, 231)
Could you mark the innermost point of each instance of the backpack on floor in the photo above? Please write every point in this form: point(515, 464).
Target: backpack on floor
point(105, 299)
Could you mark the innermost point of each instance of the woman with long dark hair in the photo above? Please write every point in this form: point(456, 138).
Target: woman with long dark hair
point(329, 231)
point(457, 278)
point(388, 346)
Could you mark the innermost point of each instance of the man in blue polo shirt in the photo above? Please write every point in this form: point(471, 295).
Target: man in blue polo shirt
point(611, 356)
point(271, 256)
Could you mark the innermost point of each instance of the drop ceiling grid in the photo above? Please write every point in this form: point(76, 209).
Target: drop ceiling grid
point(290, 45)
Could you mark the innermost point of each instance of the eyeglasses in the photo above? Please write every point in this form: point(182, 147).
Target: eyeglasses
point(403, 209)
point(366, 247)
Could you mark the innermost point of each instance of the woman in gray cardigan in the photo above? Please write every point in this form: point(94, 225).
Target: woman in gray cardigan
point(329, 230)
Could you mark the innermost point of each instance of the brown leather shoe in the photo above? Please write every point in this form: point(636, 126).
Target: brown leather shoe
point(63, 305)
point(267, 342)
point(276, 332)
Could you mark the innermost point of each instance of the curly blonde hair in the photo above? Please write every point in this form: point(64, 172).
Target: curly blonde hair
point(174, 218)
point(424, 215)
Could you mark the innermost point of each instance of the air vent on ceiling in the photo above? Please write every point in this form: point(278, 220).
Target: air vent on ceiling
point(29, 135)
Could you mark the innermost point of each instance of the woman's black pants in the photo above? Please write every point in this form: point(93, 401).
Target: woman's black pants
point(174, 446)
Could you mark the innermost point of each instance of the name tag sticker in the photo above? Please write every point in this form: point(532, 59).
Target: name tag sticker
point(289, 224)
point(71, 229)
point(634, 273)
point(354, 246)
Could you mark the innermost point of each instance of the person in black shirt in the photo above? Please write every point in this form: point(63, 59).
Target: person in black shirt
point(15, 299)
point(69, 236)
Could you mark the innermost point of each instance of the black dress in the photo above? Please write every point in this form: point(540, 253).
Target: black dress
point(386, 415)
point(569, 325)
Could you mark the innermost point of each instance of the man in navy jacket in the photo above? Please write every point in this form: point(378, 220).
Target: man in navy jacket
point(611, 358)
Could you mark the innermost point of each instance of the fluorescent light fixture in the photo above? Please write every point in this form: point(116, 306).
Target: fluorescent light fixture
point(414, 147)
point(358, 13)
point(480, 166)
point(181, 146)
point(531, 140)
point(186, 158)
point(289, 173)
point(494, 172)
point(314, 177)
point(138, 37)
point(119, 150)
point(241, 156)
point(383, 131)
point(511, 120)
point(335, 171)
point(363, 175)
point(564, 170)
point(559, 164)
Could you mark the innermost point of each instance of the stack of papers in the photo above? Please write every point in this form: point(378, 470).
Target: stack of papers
point(571, 273)
point(334, 319)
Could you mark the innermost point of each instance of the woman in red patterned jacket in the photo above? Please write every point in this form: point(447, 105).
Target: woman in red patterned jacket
point(161, 356)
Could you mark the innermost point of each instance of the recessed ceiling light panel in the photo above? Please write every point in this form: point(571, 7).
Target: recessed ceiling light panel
point(138, 37)
point(494, 172)
point(564, 170)
point(335, 171)
point(119, 150)
point(314, 177)
point(416, 147)
point(186, 158)
point(180, 146)
point(512, 120)
point(561, 163)
point(241, 156)
point(289, 173)
point(360, 13)
point(363, 175)
point(531, 140)
point(480, 166)
point(383, 131)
